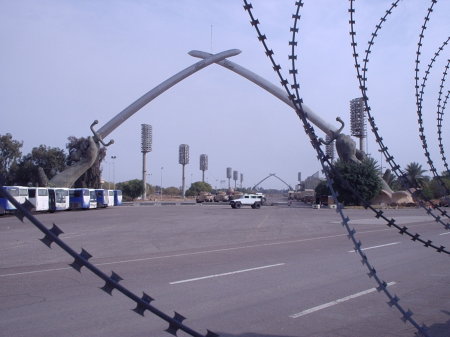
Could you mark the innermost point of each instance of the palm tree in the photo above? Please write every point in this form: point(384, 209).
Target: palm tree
point(391, 180)
point(415, 174)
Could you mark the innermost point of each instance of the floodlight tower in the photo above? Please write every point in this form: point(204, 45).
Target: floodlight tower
point(357, 121)
point(146, 146)
point(203, 165)
point(242, 179)
point(183, 159)
point(229, 170)
point(235, 178)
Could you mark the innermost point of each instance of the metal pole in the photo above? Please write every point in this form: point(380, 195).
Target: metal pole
point(114, 171)
point(144, 175)
point(160, 187)
point(182, 183)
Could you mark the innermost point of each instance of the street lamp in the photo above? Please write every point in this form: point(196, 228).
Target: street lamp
point(149, 180)
point(160, 187)
point(114, 171)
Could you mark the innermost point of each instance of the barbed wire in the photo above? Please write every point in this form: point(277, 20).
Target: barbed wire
point(144, 303)
point(112, 282)
point(327, 167)
point(419, 100)
point(440, 116)
point(411, 186)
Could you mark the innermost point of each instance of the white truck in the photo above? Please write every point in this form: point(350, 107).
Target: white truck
point(253, 200)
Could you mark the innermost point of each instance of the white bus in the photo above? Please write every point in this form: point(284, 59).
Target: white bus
point(79, 198)
point(110, 197)
point(117, 197)
point(58, 199)
point(19, 193)
point(92, 198)
point(38, 196)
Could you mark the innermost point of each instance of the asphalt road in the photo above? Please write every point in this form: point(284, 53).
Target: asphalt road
point(274, 272)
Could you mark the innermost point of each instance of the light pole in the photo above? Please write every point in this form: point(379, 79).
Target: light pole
point(183, 159)
point(146, 146)
point(149, 179)
point(160, 187)
point(229, 173)
point(203, 165)
point(114, 171)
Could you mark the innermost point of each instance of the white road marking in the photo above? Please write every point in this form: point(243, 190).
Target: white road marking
point(69, 236)
point(200, 252)
point(445, 233)
point(332, 303)
point(35, 271)
point(226, 274)
point(373, 247)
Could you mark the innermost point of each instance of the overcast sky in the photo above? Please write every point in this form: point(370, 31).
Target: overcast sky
point(65, 63)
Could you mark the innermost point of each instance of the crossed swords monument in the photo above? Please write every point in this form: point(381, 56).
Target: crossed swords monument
point(345, 145)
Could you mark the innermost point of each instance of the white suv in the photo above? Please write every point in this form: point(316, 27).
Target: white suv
point(253, 200)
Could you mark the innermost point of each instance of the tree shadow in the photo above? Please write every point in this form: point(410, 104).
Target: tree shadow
point(440, 329)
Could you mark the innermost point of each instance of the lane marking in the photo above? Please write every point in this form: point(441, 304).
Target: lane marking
point(69, 236)
point(445, 233)
point(340, 300)
point(226, 274)
point(374, 247)
point(35, 272)
point(200, 252)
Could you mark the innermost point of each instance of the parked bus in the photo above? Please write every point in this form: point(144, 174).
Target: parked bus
point(38, 196)
point(19, 193)
point(79, 198)
point(117, 197)
point(102, 198)
point(110, 197)
point(92, 198)
point(58, 199)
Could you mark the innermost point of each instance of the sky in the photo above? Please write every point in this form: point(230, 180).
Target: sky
point(66, 63)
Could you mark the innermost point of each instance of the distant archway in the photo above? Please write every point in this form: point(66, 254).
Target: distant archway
point(273, 175)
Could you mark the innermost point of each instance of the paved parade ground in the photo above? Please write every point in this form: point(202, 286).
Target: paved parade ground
point(274, 272)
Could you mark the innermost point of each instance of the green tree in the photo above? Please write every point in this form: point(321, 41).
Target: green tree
point(436, 190)
point(77, 148)
point(415, 174)
point(43, 163)
point(171, 191)
point(360, 177)
point(150, 189)
point(322, 189)
point(10, 153)
point(198, 187)
point(391, 180)
point(131, 189)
